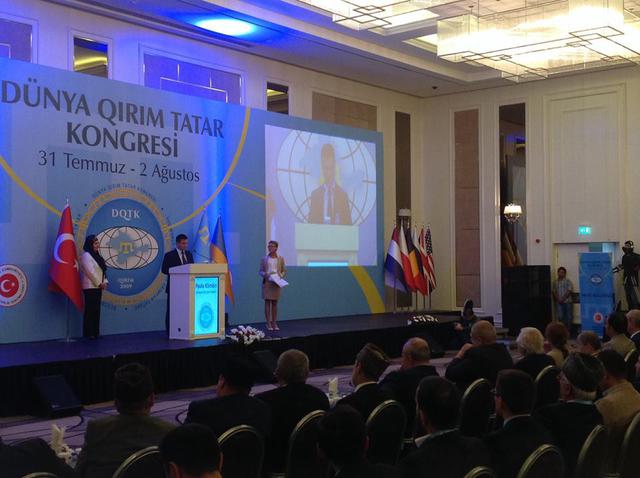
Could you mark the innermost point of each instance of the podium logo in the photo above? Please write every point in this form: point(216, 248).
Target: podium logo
point(13, 285)
point(205, 317)
point(596, 279)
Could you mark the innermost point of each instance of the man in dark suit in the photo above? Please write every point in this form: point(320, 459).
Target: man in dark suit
point(109, 441)
point(289, 403)
point(342, 439)
point(175, 257)
point(571, 420)
point(403, 383)
point(484, 357)
point(443, 451)
point(520, 435)
point(371, 362)
point(191, 450)
point(329, 203)
point(233, 406)
point(633, 326)
point(31, 456)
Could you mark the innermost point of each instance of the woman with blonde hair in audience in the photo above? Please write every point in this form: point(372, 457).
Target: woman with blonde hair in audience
point(531, 345)
point(557, 335)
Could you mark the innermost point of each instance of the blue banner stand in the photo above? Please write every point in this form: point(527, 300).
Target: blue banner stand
point(597, 295)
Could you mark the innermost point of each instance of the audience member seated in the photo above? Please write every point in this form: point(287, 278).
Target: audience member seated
point(342, 439)
point(371, 362)
point(403, 383)
point(531, 345)
point(463, 327)
point(31, 456)
point(191, 451)
point(571, 420)
point(620, 403)
point(633, 326)
point(616, 329)
point(233, 406)
point(443, 452)
point(289, 403)
point(484, 357)
point(520, 435)
point(557, 335)
point(589, 343)
point(109, 441)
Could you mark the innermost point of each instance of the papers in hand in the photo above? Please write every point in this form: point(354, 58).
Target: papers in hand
point(333, 387)
point(277, 280)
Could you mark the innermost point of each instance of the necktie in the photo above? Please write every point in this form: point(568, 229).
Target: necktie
point(184, 259)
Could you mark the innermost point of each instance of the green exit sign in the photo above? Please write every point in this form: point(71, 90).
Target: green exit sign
point(584, 230)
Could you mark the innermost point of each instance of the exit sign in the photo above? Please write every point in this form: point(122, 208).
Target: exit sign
point(584, 230)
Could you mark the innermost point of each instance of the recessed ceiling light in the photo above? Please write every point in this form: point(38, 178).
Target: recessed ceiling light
point(227, 26)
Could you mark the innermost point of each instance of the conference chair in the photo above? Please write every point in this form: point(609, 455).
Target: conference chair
point(481, 472)
point(544, 462)
point(592, 454)
point(40, 474)
point(476, 408)
point(630, 359)
point(385, 429)
point(547, 386)
point(303, 460)
point(243, 451)
point(145, 463)
point(629, 461)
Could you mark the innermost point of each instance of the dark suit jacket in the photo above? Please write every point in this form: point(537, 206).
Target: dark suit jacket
point(449, 455)
point(172, 259)
point(367, 398)
point(223, 413)
point(341, 209)
point(109, 441)
point(288, 405)
point(570, 423)
point(512, 444)
point(636, 340)
point(31, 456)
point(533, 364)
point(361, 468)
point(403, 385)
point(484, 361)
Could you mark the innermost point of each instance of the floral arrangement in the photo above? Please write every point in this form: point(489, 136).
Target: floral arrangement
point(246, 335)
point(421, 319)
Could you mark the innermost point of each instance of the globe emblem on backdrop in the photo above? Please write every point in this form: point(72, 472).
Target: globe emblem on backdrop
point(299, 172)
point(127, 247)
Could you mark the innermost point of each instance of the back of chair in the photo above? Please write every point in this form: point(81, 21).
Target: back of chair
point(547, 386)
point(303, 460)
point(476, 408)
point(591, 459)
point(631, 359)
point(481, 472)
point(40, 474)
point(544, 462)
point(145, 463)
point(385, 429)
point(629, 462)
point(243, 451)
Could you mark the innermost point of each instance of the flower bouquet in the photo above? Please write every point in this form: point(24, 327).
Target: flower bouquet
point(245, 335)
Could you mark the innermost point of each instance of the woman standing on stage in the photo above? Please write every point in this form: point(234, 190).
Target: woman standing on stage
point(94, 281)
point(271, 264)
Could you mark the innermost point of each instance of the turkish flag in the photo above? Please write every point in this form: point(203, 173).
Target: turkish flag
point(64, 270)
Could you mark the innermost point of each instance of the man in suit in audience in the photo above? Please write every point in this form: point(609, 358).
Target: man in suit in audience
point(618, 406)
point(371, 362)
point(484, 357)
point(289, 403)
point(342, 439)
point(520, 435)
point(403, 383)
point(191, 451)
point(175, 257)
point(589, 343)
point(31, 456)
point(571, 420)
point(443, 451)
point(616, 330)
point(109, 441)
point(633, 326)
point(233, 406)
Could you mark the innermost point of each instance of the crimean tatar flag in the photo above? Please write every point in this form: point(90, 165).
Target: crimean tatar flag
point(393, 273)
point(219, 256)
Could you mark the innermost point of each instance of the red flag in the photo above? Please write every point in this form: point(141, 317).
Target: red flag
point(64, 271)
point(418, 274)
point(406, 262)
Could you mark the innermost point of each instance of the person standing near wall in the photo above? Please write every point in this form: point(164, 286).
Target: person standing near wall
point(93, 280)
point(562, 290)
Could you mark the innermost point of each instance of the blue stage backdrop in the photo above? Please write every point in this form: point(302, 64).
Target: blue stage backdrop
point(140, 166)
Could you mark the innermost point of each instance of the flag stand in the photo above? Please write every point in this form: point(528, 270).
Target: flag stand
point(67, 339)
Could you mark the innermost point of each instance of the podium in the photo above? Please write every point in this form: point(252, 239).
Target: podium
point(326, 244)
point(197, 301)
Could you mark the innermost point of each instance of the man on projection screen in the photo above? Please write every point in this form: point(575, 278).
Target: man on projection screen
point(329, 203)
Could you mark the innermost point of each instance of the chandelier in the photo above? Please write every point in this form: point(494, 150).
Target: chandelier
point(523, 39)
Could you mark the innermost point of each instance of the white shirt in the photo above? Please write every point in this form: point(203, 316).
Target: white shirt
point(272, 265)
point(180, 256)
point(329, 198)
point(92, 275)
point(362, 385)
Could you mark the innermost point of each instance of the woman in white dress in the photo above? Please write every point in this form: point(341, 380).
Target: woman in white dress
point(271, 264)
point(93, 280)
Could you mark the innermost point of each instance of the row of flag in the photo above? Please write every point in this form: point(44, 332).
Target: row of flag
point(409, 265)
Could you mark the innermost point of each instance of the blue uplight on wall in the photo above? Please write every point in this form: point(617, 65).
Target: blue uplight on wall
point(227, 26)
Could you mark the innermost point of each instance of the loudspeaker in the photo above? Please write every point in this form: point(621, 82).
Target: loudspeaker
point(526, 297)
point(56, 397)
point(267, 363)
